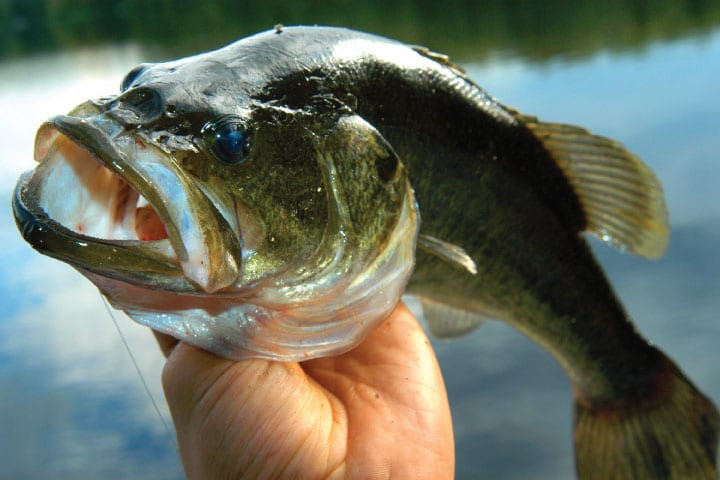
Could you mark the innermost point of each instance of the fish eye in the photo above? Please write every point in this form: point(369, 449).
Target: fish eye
point(228, 139)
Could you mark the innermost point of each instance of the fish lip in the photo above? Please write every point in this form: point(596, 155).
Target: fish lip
point(55, 240)
point(133, 261)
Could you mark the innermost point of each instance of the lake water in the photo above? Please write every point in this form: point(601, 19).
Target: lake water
point(73, 406)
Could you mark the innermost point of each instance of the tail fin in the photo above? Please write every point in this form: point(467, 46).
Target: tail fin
point(672, 433)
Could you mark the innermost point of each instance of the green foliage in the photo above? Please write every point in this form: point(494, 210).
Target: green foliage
point(463, 28)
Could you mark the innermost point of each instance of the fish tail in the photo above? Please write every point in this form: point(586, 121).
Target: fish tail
point(669, 432)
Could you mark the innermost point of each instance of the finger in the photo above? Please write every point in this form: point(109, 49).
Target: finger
point(250, 418)
point(396, 347)
point(393, 378)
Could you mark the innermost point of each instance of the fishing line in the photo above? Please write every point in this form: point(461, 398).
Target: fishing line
point(140, 374)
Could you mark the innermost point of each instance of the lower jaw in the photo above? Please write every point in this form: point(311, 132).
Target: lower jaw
point(150, 263)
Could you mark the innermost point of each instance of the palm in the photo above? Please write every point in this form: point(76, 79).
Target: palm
point(377, 411)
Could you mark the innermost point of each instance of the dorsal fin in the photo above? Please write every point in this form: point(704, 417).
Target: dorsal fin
point(622, 199)
point(440, 58)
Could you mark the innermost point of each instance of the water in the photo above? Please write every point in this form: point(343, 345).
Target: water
point(69, 394)
point(72, 406)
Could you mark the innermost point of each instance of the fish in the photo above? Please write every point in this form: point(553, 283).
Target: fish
point(274, 199)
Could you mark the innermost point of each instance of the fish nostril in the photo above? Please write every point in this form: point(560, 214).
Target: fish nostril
point(144, 101)
point(133, 75)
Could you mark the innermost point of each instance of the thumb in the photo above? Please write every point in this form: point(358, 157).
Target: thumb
point(232, 417)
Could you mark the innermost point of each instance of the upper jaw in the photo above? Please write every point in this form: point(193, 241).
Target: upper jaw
point(112, 204)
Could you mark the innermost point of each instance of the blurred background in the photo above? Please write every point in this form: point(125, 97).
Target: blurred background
point(72, 404)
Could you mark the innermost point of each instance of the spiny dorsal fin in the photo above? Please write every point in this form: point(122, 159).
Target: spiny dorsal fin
point(445, 321)
point(621, 197)
point(440, 58)
point(449, 252)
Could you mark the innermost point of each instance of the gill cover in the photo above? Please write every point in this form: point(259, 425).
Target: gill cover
point(360, 272)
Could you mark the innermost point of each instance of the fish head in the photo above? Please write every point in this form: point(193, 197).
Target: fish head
point(225, 218)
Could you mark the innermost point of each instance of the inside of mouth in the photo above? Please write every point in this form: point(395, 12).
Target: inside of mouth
point(81, 194)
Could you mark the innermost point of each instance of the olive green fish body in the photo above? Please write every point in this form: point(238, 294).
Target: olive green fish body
point(486, 183)
point(503, 188)
point(501, 197)
point(266, 200)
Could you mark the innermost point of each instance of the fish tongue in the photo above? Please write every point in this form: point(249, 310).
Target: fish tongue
point(203, 242)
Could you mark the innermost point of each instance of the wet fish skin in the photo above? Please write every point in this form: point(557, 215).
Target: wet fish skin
point(261, 251)
point(503, 199)
point(486, 182)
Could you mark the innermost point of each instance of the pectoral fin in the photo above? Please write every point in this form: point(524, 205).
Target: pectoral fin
point(447, 251)
point(621, 197)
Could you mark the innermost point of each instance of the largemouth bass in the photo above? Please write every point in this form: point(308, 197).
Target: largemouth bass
point(264, 200)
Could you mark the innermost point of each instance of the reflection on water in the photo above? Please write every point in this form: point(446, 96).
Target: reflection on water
point(72, 406)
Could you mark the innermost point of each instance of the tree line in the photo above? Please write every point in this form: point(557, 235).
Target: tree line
point(465, 29)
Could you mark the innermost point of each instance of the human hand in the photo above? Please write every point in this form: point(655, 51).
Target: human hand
point(378, 411)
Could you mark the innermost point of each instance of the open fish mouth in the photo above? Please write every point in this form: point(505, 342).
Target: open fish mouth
point(89, 199)
point(110, 203)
